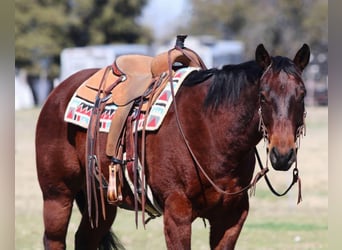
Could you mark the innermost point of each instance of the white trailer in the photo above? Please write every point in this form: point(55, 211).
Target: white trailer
point(214, 53)
point(98, 56)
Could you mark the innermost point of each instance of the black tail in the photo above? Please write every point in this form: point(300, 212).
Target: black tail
point(110, 241)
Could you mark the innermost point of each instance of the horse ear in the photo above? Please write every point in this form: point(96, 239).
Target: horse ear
point(262, 57)
point(302, 57)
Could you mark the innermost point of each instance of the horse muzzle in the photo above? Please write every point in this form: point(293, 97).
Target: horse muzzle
point(282, 161)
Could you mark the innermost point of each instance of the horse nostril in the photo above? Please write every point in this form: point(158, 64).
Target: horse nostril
point(290, 155)
point(274, 156)
point(275, 152)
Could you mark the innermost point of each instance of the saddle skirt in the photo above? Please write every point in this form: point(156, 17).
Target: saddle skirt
point(81, 105)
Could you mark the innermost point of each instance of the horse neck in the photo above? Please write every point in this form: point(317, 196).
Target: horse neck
point(237, 124)
point(229, 130)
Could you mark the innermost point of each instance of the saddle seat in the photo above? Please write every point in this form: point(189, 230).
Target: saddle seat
point(136, 73)
point(139, 72)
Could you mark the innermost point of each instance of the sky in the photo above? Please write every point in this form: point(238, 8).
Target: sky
point(163, 16)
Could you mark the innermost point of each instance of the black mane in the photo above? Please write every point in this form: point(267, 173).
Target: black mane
point(227, 82)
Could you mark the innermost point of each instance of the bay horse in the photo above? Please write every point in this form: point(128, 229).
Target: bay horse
point(199, 162)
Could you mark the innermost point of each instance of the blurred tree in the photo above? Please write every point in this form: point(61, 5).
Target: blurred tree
point(44, 27)
point(40, 28)
point(106, 21)
point(281, 25)
point(220, 18)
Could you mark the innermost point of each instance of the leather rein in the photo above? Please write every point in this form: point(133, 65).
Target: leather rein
point(263, 170)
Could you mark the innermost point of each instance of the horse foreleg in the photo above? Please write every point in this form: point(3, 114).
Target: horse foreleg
point(226, 226)
point(57, 213)
point(177, 221)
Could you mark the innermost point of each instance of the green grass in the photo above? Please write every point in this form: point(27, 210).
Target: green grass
point(273, 223)
point(286, 226)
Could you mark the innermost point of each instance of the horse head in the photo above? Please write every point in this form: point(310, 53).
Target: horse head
point(281, 98)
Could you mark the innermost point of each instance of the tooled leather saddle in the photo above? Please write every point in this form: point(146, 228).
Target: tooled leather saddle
point(132, 80)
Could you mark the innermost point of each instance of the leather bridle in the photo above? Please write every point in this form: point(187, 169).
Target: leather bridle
point(263, 170)
point(301, 131)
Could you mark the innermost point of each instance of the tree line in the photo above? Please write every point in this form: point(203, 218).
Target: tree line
point(283, 25)
point(44, 27)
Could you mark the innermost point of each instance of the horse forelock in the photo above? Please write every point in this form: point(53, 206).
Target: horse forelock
point(285, 64)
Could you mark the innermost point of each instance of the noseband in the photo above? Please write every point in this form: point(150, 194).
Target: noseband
point(301, 131)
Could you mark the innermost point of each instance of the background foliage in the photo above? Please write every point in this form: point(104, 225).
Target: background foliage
point(283, 25)
point(44, 27)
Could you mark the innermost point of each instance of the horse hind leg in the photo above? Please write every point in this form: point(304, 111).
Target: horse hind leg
point(101, 237)
point(57, 213)
point(58, 199)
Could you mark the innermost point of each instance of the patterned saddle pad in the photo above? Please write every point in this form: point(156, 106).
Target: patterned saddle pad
point(79, 110)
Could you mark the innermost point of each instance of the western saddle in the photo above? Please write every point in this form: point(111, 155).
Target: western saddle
point(131, 80)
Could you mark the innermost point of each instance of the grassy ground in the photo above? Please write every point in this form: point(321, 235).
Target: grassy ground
point(273, 223)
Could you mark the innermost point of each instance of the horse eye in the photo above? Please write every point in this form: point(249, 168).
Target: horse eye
point(262, 98)
point(301, 98)
point(300, 95)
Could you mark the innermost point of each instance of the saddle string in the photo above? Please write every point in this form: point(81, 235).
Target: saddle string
point(136, 164)
point(93, 169)
point(93, 165)
point(139, 183)
point(131, 147)
point(92, 149)
point(156, 84)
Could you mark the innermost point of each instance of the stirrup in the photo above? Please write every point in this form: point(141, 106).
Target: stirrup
point(114, 192)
